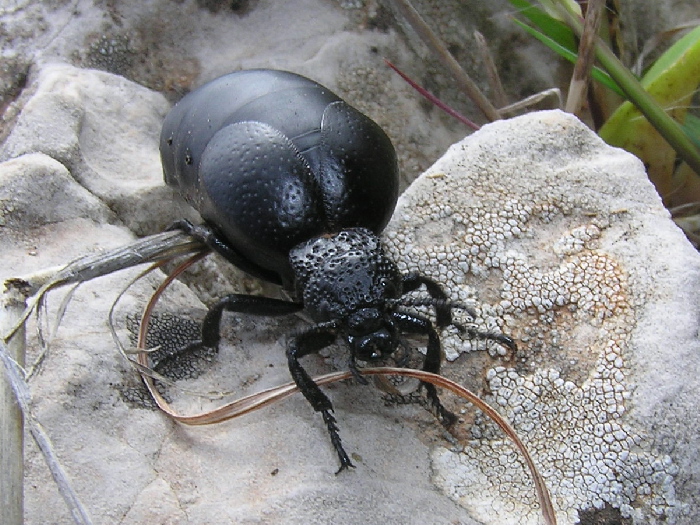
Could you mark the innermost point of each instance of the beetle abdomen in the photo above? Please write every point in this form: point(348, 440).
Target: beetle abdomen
point(272, 159)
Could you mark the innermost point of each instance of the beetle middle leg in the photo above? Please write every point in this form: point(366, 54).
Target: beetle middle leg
point(433, 357)
point(245, 304)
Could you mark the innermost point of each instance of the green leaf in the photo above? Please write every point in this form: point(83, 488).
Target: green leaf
point(671, 83)
point(672, 56)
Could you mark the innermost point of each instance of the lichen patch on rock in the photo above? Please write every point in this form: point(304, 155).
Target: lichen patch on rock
point(526, 228)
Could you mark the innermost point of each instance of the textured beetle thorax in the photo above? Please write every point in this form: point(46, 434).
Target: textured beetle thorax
point(340, 274)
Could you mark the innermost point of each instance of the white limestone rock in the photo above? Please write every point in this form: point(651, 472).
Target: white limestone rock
point(103, 132)
point(553, 237)
point(561, 242)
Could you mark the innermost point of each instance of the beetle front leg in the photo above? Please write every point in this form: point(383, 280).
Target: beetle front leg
point(309, 342)
point(433, 358)
point(443, 310)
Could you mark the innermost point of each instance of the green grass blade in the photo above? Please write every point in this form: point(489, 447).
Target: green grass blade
point(551, 27)
point(691, 126)
point(597, 73)
point(686, 69)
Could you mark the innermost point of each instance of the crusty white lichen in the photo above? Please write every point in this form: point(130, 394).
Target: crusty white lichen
point(530, 258)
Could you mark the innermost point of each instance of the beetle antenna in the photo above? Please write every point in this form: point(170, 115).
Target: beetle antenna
point(434, 302)
point(469, 331)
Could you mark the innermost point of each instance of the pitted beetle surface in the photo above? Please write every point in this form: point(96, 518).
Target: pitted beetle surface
point(294, 185)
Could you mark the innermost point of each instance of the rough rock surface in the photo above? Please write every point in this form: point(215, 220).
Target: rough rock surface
point(561, 242)
point(127, 462)
point(555, 238)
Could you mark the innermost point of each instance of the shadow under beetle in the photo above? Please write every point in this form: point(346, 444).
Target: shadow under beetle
point(294, 185)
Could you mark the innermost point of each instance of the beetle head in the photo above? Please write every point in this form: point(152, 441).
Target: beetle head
point(347, 278)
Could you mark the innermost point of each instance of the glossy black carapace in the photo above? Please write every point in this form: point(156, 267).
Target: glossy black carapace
point(294, 186)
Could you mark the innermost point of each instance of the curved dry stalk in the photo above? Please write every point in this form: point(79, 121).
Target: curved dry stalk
point(269, 396)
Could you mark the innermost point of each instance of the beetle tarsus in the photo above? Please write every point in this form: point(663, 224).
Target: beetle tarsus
point(352, 365)
point(446, 418)
point(332, 427)
point(504, 340)
point(311, 341)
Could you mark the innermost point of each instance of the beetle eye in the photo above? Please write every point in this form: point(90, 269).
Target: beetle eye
point(388, 286)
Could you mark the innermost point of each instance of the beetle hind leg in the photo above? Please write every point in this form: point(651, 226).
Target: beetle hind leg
point(216, 242)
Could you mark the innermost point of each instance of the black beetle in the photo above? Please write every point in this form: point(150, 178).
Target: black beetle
point(294, 186)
